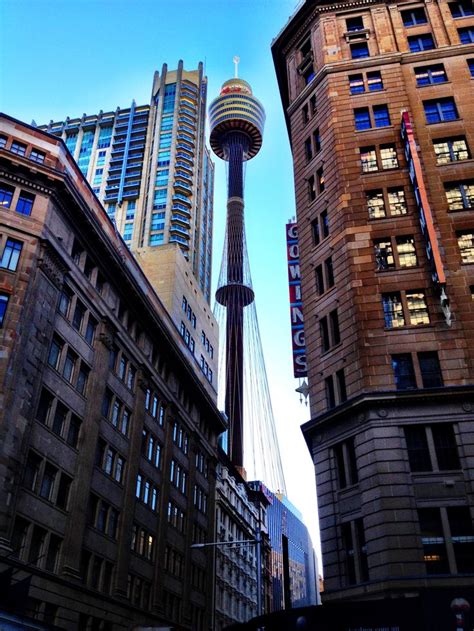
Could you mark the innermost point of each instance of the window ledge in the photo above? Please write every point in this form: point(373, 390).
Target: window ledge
point(324, 354)
point(371, 129)
point(454, 120)
point(368, 93)
point(397, 269)
point(410, 327)
point(432, 85)
point(456, 162)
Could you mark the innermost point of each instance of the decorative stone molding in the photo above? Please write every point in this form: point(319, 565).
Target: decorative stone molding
point(52, 264)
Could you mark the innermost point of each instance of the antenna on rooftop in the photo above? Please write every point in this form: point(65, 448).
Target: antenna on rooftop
point(236, 64)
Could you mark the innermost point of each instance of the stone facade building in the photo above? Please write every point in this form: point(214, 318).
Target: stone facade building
point(107, 473)
point(378, 102)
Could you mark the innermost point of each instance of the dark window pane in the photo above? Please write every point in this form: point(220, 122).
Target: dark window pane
point(445, 447)
point(403, 371)
point(462, 536)
point(417, 445)
point(430, 370)
point(432, 538)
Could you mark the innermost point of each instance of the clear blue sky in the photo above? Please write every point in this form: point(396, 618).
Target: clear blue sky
point(67, 57)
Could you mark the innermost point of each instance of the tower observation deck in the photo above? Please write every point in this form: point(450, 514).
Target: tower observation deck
point(236, 120)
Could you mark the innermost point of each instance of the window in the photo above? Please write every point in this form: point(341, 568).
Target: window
point(396, 201)
point(346, 463)
point(305, 113)
point(330, 395)
point(316, 231)
point(25, 203)
point(412, 17)
point(308, 149)
point(341, 385)
point(3, 141)
point(6, 195)
point(110, 461)
point(4, 298)
point(11, 255)
point(90, 329)
point(368, 159)
point(355, 551)
point(388, 157)
point(440, 110)
point(383, 255)
point(18, 148)
point(69, 365)
point(381, 117)
point(355, 24)
point(359, 50)
point(430, 369)
point(64, 301)
point(466, 35)
point(470, 65)
point(37, 156)
point(329, 270)
point(375, 204)
point(388, 257)
point(429, 75)
point(324, 223)
point(466, 246)
point(362, 118)
point(403, 371)
point(417, 43)
point(78, 316)
point(461, 9)
point(317, 141)
point(451, 150)
point(460, 195)
point(329, 330)
point(312, 104)
point(311, 188)
point(438, 526)
point(356, 84)
point(359, 83)
point(374, 81)
point(406, 251)
point(417, 308)
point(320, 180)
point(393, 310)
point(55, 352)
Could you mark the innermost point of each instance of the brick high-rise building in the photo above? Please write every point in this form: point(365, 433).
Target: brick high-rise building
point(378, 98)
point(151, 169)
point(108, 437)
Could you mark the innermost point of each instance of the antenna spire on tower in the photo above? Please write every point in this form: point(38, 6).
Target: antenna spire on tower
point(236, 64)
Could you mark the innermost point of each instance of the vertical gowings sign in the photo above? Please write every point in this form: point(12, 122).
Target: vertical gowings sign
point(296, 302)
point(424, 213)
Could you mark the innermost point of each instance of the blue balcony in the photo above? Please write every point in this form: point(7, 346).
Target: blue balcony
point(182, 198)
point(180, 219)
point(181, 208)
point(183, 187)
point(182, 231)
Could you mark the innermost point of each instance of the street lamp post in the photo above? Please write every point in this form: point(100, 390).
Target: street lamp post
point(257, 542)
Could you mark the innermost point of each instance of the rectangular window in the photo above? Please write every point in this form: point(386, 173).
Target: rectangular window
point(55, 352)
point(462, 537)
point(325, 223)
point(355, 24)
point(440, 110)
point(3, 141)
point(356, 84)
point(466, 246)
point(330, 395)
point(460, 195)
point(396, 201)
point(433, 540)
point(417, 308)
point(6, 195)
point(461, 9)
point(362, 119)
point(374, 81)
point(451, 150)
point(69, 365)
point(470, 65)
point(319, 280)
point(368, 159)
point(18, 148)
point(11, 255)
point(308, 149)
point(25, 203)
point(375, 204)
point(417, 448)
point(324, 332)
point(393, 310)
point(305, 113)
point(317, 140)
point(429, 75)
point(4, 298)
point(383, 255)
point(466, 35)
point(403, 371)
point(359, 50)
point(78, 316)
point(320, 180)
point(381, 116)
point(417, 43)
point(413, 17)
point(311, 188)
point(388, 157)
point(335, 332)
point(329, 272)
point(37, 156)
point(430, 369)
point(406, 251)
point(316, 232)
point(341, 385)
